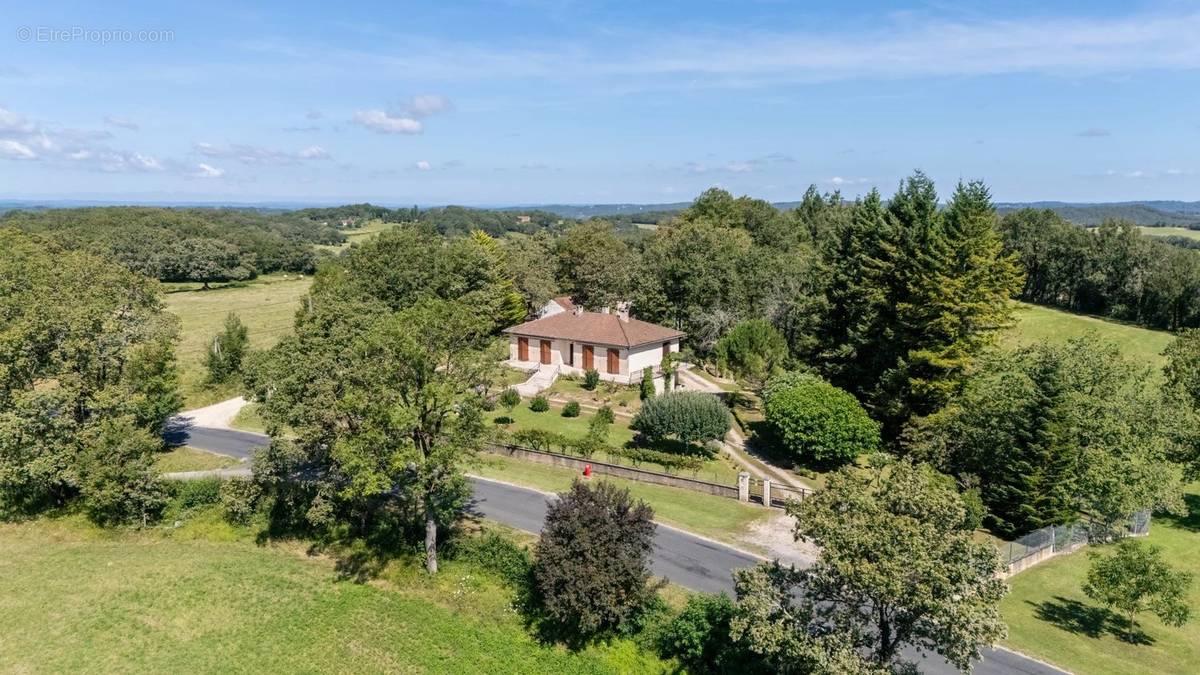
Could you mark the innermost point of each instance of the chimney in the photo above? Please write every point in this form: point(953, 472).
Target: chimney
point(578, 310)
point(623, 311)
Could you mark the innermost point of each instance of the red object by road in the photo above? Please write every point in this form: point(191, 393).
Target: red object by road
point(587, 470)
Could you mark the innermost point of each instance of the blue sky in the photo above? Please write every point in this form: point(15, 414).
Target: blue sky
point(542, 101)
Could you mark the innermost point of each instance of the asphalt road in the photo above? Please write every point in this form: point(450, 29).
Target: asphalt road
point(684, 559)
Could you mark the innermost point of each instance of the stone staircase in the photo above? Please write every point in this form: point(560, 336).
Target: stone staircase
point(540, 381)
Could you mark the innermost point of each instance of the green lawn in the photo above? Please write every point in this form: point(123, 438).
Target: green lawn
point(190, 459)
point(1049, 617)
point(266, 305)
point(717, 470)
point(719, 518)
point(622, 398)
point(1042, 324)
point(249, 419)
point(74, 598)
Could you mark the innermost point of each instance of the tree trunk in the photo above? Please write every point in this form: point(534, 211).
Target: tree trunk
point(430, 540)
point(887, 646)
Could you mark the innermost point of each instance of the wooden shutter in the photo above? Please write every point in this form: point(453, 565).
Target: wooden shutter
point(545, 351)
point(614, 361)
point(589, 357)
point(522, 349)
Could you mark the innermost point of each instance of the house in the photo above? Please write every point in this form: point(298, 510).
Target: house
point(556, 306)
point(571, 341)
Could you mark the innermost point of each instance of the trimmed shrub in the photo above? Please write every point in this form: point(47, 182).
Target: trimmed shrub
point(669, 460)
point(571, 409)
point(591, 379)
point(540, 439)
point(752, 350)
point(510, 398)
point(592, 567)
point(689, 416)
point(539, 404)
point(815, 420)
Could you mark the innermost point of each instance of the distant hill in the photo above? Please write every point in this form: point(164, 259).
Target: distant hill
point(1147, 214)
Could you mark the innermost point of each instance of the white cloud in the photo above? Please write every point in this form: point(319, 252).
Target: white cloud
point(121, 122)
point(423, 165)
point(740, 167)
point(424, 105)
point(314, 152)
point(839, 181)
point(313, 115)
point(253, 154)
point(384, 123)
point(1094, 132)
point(16, 150)
point(208, 171)
point(22, 138)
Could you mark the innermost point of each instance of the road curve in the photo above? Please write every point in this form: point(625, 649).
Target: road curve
point(684, 559)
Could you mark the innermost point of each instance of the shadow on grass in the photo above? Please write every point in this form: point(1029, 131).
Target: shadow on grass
point(1078, 618)
point(1189, 521)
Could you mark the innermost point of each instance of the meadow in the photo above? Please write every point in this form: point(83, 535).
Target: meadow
point(1049, 617)
point(1036, 324)
point(1170, 232)
point(204, 598)
point(266, 305)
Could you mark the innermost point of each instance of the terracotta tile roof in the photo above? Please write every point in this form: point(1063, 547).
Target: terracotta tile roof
point(595, 327)
point(564, 301)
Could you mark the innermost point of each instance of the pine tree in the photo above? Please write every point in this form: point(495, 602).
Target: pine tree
point(951, 296)
point(859, 257)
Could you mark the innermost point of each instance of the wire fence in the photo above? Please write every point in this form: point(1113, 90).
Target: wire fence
point(1053, 539)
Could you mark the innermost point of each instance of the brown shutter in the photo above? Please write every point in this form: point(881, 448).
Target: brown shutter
point(589, 357)
point(614, 361)
point(666, 349)
point(545, 351)
point(522, 349)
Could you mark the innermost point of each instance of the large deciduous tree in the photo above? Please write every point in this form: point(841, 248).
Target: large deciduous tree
point(594, 265)
point(87, 381)
point(207, 261)
point(897, 568)
point(381, 384)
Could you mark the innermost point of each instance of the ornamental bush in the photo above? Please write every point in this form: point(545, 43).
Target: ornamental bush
point(815, 420)
point(539, 404)
point(510, 398)
point(591, 379)
point(688, 416)
point(591, 569)
point(571, 409)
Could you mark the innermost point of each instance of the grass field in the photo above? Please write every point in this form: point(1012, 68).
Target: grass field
point(190, 459)
point(1170, 232)
point(1049, 617)
point(266, 305)
point(1042, 324)
point(719, 518)
point(205, 599)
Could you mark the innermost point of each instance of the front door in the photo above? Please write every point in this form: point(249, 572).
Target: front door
point(522, 349)
point(614, 362)
point(545, 351)
point(589, 357)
